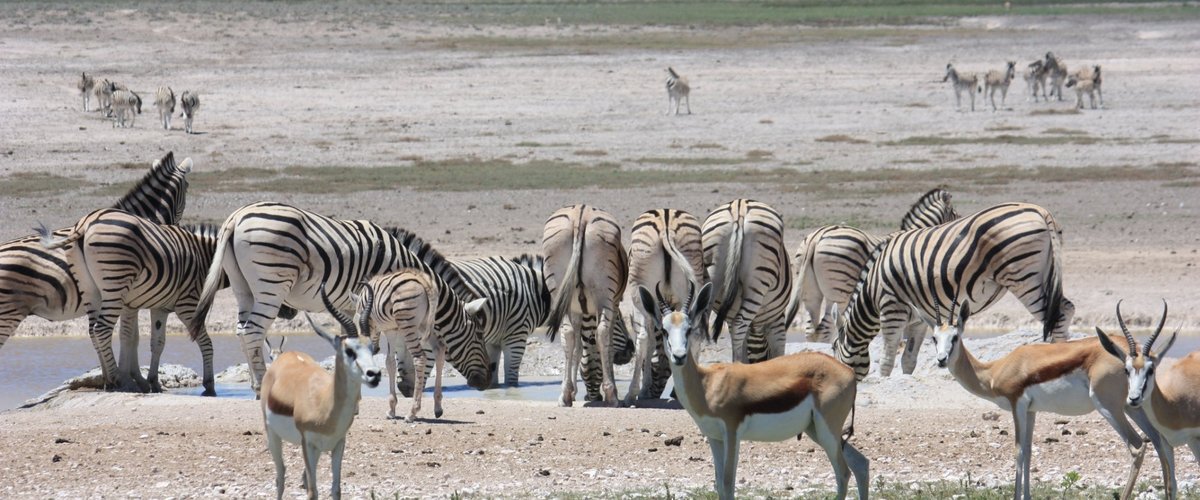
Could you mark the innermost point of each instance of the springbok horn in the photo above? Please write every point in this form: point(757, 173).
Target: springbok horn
point(1133, 350)
point(347, 324)
point(364, 322)
point(691, 295)
point(1157, 331)
point(663, 307)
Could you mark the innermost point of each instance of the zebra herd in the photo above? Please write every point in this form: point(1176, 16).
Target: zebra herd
point(690, 279)
point(115, 101)
point(1048, 75)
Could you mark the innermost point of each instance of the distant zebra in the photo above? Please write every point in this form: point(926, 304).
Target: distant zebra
point(666, 255)
point(1086, 81)
point(403, 305)
point(751, 275)
point(275, 254)
point(999, 80)
point(103, 91)
point(86, 85)
point(125, 105)
point(585, 271)
point(164, 100)
point(1056, 71)
point(919, 275)
point(190, 102)
point(830, 260)
point(129, 263)
point(1035, 79)
point(961, 83)
point(677, 89)
point(35, 281)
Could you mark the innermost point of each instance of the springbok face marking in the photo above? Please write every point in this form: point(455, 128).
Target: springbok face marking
point(947, 336)
point(679, 325)
point(356, 353)
point(1139, 363)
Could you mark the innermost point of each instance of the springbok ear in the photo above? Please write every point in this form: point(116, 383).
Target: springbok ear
point(475, 307)
point(702, 301)
point(649, 304)
point(964, 313)
point(321, 331)
point(185, 166)
point(1108, 345)
point(1166, 347)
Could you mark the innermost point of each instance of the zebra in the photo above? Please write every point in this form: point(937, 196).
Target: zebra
point(961, 83)
point(404, 306)
point(1086, 81)
point(750, 271)
point(128, 263)
point(103, 92)
point(35, 281)
point(585, 271)
point(999, 80)
point(623, 351)
point(164, 100)
point(275, 255)
point(665, 255)
point(677, 89)
point(919, 275)
point(86, 85)
point(125, 105)
point(830, 260)
point(1056, 70)
point(1035, 78)
point(190, 102)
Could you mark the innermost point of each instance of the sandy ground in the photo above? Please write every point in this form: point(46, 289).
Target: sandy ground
point(362, 87)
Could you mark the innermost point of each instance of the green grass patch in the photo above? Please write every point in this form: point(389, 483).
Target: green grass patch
point(1043, 112)
point(1064, 131)
point(758, 154)
point(1004, 128)
point(1017, 140)
point(703, 161)
point(25, 184)
point(842, 138)
point(591, 152)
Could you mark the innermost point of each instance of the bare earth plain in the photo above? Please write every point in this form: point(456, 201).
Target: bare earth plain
point(472, 132)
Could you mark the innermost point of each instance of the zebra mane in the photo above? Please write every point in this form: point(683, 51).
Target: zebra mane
point(160, 195)
point(435, 260)
point(935, 197)
point(528, 260)
point(203, 230)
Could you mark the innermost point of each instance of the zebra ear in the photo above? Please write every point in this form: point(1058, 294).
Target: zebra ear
point(185, 166)
point(475, 307)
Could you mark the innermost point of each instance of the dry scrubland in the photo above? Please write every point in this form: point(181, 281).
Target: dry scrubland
point(469, 123)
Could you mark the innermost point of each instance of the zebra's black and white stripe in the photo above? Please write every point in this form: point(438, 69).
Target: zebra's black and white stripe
point(127, 263)
point(666, 254)
point(190, 102)
point(830, 260)
point(677, 90)
point(919, 275)
point(38, 281)
point(276, 254)
point(750, 271)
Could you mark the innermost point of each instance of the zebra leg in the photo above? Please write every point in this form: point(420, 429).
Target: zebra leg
point(158, 341)
point(128, 358)
point(419, 368)
point(641, 365)
point(390, 363)
point(513, 353)
point(892, 329)
point(252, 330)
point(571, 351)
point(493, 352)
point(738, 329)
point(100, 330)
point(9, 324)
point(688, 99)
point(185, 313)
point(439, 368)
point(604, 341)
point(914, 338)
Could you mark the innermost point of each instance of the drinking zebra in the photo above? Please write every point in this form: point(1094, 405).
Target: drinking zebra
point(275, 254)
point(128, 263)
point(919, 275)
point(38, 281)
point(751, 276)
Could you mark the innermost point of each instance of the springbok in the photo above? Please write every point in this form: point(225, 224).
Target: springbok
point(1169, 386)
point(774, 400)
point(274, 350)
point(305, 405)
point(1068, 378)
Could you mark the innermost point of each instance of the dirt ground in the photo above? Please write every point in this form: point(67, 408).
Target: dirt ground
point(360, 87)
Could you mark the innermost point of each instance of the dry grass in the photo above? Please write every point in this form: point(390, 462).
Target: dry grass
point(22, 184)
point(1020, 140)
point(842, 138)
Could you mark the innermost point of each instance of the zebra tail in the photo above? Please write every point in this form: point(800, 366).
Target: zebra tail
point(733, 261)
point(49, 241)
point(1052, 287)
point(212, 282)
point(561, 301)
point(431, 314)
point(803, 260)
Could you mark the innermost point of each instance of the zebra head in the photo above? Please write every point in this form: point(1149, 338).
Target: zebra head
point(681, 325)
point(353, 351)
point(947, 335)
point(1139, 363)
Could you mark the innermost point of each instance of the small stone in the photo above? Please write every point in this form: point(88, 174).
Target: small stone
point(62, 440)
point(991, 416)
point(1051, 440)
point(1003, 432)
point(428, 431)
point(544, 472)
point(605, 433)
point(646, 431)
point(433, 464)
point(552, 417)
point(652, 450)
point(675, 441)
point(247, 433)
point(479, 412)
point(1081, 433)
point(695, 459)
point(973, 433)
point(1066, 432)
point(1060, 422)
point(56, 458)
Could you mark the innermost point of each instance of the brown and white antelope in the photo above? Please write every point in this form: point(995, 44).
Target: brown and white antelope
point(585, 271)
point(1069, 378)
point(961, 82)
point(775, 400)
point(305, 405)
point(1165, 389)
point(677, 90)
point(999, 80)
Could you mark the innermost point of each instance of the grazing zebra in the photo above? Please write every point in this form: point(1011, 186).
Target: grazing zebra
point(1056, 70)
point(190, 102)
point(129, 263)
point(677, 89)
point(962, 83)
point(666, 255)
point(1086, 81)
point(830, 260)
point(86, 85)
point(40, 282)
point(585, 271)
point(275, 254)
point(404, 306)
point(1035, 78)
point(125, 104)
point(164, 100)
point(751, 274)
point(919, 275)
point(999, 80)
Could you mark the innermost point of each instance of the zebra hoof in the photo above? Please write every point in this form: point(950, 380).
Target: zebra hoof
point(437, 413)
point(209, 392)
